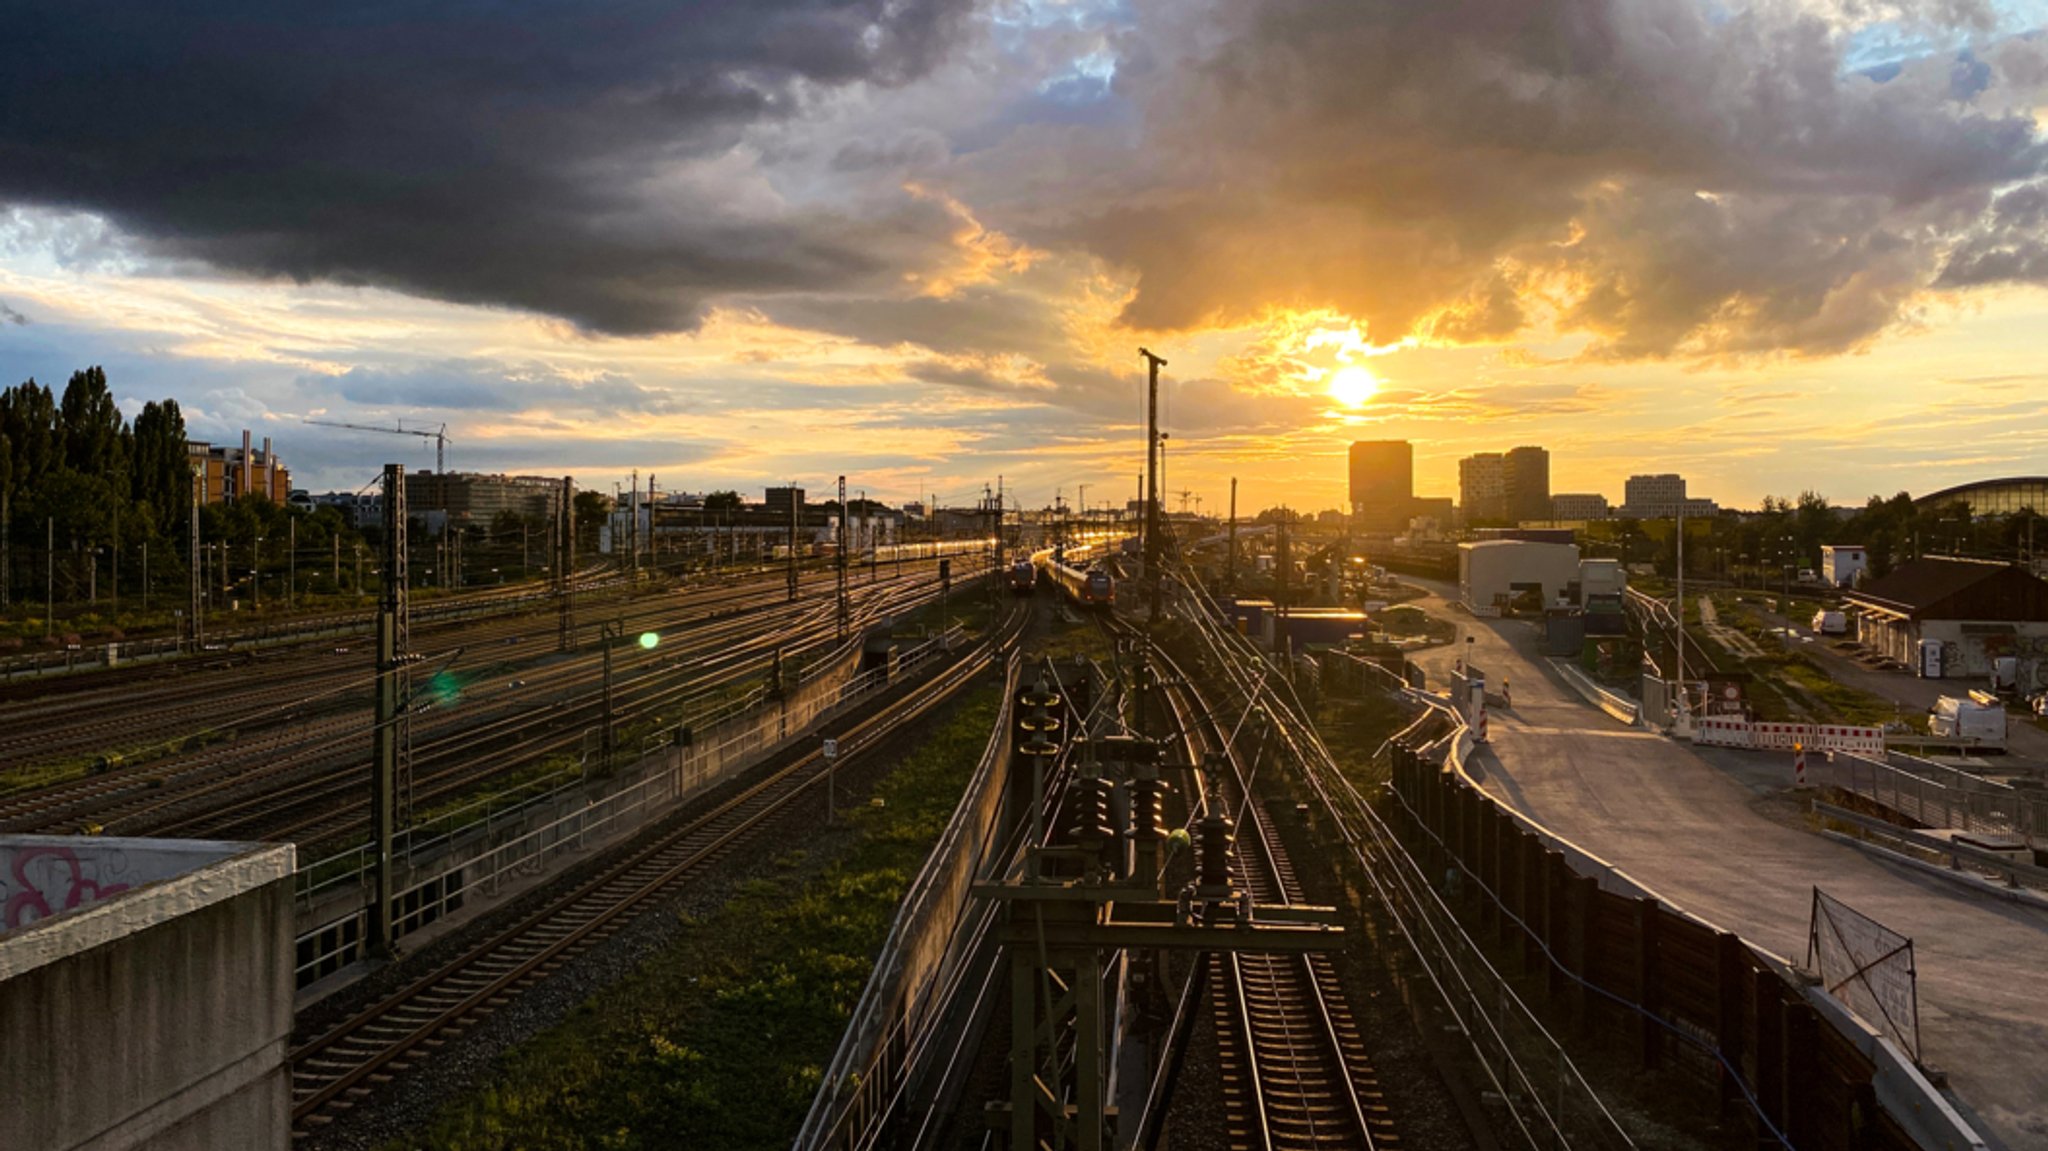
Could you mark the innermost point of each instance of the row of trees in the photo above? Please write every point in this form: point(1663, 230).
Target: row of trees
point(1788, 532)
point(76, 460)
point(101, 492)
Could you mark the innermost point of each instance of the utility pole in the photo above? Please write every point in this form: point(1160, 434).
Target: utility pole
point(196, 576)
point(291, 564)
point(1151, 496)
point(49, 576)
point(1230, 561)
point(145, 575)
point(844, 539)
point(6, 568)
point(391, 704)
point(565, 566)
point(607, 636)
point(796, 504)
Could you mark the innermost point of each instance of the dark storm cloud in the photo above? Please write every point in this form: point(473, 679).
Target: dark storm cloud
point(9, 316)
point(477, 386)
point(1397, 158)
point(530, 154)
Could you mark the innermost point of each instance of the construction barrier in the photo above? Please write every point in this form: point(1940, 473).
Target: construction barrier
point(1728, 731)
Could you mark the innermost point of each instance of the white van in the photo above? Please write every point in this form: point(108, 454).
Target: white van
point(1829, 622)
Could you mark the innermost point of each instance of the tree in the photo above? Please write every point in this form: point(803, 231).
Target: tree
point(93, 431)
point(161, 466)
point(28, 427)
point(727, 501)
point(592, 509)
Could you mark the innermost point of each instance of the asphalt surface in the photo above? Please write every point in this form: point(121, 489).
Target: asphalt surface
point(1717, 833)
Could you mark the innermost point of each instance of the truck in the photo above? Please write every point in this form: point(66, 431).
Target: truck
point(1976, 720)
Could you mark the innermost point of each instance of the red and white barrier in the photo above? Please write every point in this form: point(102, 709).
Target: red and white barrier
point(1798, 765)
point(1726, 731)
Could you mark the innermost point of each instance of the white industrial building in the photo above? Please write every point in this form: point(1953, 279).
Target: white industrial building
point(1840, 564)
point(1495, 576)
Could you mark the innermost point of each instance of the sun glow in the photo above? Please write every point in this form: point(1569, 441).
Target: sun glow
point(1352, 385)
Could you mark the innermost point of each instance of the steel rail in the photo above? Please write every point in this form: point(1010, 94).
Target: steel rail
point(332, 1070)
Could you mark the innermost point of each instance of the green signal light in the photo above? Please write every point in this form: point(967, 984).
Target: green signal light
point(648, 639)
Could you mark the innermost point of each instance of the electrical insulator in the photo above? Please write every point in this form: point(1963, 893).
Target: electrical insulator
point(1217, 834)
point(1148, 803)
point(1088, 824)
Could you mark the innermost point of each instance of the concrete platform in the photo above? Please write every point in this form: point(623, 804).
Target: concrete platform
point(145, 994)
point(1715, 832)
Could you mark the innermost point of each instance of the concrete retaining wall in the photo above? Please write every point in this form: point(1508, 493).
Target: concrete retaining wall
point(156, 1016)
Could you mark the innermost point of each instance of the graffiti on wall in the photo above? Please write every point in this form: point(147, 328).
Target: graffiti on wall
point(38, 882)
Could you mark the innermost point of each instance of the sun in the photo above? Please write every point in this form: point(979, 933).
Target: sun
point(1352, 385)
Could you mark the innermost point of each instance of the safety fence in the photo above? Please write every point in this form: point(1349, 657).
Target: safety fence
point(1732, 731)
point(1673, 992)
point(511, 846)
point(1935, 795)
point(932, 946)
point(1867, 966)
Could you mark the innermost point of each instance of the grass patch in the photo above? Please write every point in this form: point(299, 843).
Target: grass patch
point(720, 1039)
point(1354, 729)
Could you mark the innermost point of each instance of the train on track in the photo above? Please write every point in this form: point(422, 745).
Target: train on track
point(1085, 585)
point(1023, 577)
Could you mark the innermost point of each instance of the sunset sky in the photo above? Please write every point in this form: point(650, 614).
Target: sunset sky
point(1779, 245)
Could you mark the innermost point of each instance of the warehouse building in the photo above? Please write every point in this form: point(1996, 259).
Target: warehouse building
point(1500, 577)
point(1975, 610)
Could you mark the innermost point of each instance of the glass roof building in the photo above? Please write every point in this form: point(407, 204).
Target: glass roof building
point(1994, 497)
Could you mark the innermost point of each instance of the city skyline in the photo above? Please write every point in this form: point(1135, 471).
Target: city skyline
point(929, 261)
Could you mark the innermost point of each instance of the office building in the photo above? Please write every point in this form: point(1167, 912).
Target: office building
point(1525, 484)
point(1653, 497)
point(470, 499)
point(1382, 484)
point(1578, 506)
point(1482, 487)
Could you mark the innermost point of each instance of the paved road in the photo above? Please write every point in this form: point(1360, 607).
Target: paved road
point(1717, 835)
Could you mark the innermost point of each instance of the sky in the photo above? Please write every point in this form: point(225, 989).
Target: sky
point(1775, 246)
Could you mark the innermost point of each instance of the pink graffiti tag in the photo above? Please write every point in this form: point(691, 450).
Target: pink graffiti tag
point(31, 903)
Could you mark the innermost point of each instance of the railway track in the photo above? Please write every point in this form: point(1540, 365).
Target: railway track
point(1294, 1067)
point(260, 785)
point(342, 1067)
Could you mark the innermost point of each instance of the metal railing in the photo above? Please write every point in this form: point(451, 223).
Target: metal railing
point(1936, 795)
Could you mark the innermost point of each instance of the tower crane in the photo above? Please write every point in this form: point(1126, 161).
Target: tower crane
point(438, 435)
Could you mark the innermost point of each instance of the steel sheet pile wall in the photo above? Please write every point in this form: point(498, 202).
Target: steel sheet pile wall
point(930, 944)
point(1674, 992)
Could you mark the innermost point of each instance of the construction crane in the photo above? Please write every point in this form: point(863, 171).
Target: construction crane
point(438, 435)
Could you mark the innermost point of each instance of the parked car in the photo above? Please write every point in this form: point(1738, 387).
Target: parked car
point(1829, 622)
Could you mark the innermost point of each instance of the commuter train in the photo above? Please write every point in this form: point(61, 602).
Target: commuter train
point(1093, 588)
point(1023, 577)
